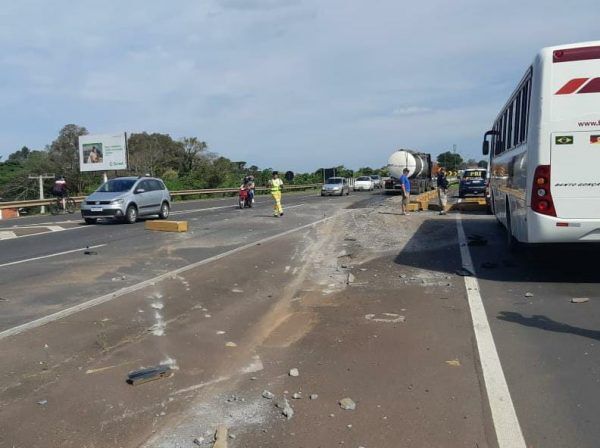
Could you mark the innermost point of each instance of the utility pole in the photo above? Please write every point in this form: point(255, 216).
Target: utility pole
point(41, 178)
point(454, 152)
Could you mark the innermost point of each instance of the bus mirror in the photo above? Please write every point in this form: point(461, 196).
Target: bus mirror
point(485, 148)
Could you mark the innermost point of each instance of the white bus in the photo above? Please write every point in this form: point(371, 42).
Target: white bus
point(545, 150)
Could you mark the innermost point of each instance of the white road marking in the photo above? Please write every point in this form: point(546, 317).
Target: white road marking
point(506, 423)
point(150, 282)
point(6, 235)
point(49, 256)
point(45, 233)
point(183, 212)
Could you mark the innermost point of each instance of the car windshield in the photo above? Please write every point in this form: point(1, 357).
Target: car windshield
point(374, 177)
point(116, 186)
point(364, 178)
point(334, 180)
point(476, 174)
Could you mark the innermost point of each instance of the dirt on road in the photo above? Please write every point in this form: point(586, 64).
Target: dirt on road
point(365, 306)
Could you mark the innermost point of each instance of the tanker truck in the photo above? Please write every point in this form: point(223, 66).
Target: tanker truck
point(419, 171)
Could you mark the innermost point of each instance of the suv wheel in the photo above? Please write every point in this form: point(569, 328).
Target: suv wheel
point(90, 220)
point(165, 210)
point(131, 214)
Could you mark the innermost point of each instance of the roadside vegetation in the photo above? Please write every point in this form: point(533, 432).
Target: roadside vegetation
point(183, 164)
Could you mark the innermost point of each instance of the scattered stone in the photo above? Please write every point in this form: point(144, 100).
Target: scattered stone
point(253, 378)
point(579, 300)
point(220, 332)
point(313, 396)
point(297, 396)
point(230, 344)
point(232, 436)
point(347, 404)
point(349, 239)
point(403, 275)
point(453, 363)
point(294, 372)
point(268, 395)
point(349, 426)
point(363, 269)
point(199, 441)
point(286, 409)
point(528, 294)
point(42, 402)
point(351, 278)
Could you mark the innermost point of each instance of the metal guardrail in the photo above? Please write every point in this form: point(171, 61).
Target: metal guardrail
point(180, 193)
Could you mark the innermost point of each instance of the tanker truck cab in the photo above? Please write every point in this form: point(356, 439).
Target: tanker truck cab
point(545, 155)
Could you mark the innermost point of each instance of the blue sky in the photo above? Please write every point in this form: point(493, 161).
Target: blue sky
point(288, 84)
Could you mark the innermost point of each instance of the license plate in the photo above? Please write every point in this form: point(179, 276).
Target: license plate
point(96, 209)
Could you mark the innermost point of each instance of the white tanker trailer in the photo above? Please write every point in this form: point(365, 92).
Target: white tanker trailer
point(419, 171)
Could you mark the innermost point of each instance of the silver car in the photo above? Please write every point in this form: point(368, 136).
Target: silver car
point(127, 198)
point(335, 185)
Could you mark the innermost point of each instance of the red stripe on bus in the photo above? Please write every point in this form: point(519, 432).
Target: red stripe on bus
point(572, 86)
point(576, 54)
point(591, 87)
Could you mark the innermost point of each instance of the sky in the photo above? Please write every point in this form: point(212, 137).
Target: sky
point(287, 84)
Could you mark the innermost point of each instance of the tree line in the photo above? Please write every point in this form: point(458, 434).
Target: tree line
point(183, 164)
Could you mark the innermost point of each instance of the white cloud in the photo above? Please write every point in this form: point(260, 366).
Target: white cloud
point(289, 83)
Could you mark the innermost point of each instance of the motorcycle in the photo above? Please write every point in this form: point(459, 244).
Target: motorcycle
point(245, 198)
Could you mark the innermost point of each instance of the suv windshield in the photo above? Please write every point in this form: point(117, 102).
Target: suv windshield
point(334, 180)
point(364, 178)
point(116, 186)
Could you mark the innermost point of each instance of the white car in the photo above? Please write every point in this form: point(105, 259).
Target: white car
point(364, 183)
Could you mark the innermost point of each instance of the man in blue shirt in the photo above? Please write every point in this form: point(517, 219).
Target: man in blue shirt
point(405, 183)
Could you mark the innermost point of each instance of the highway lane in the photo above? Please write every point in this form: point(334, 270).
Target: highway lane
point(548, 346)
point(130, 254)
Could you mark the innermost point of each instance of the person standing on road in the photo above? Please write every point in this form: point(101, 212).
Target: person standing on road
point(405, 184)
point(276, 185)
point(442, 188)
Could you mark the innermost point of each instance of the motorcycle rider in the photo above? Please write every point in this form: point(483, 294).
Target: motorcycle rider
point(249, 186)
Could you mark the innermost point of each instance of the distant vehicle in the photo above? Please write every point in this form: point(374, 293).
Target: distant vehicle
point(126, 199)
point(335, 185)
point(545, 150)
point(377, 181)
point(419, 171)
point(363, 183)
point(472, 181)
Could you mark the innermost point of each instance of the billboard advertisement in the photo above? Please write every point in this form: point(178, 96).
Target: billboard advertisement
point(102, 152)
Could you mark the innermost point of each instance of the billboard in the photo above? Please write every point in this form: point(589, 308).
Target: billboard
point(102, 152)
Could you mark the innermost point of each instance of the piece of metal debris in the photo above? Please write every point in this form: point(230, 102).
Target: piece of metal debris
point(149, 374)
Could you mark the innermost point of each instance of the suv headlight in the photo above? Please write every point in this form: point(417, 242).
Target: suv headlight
point(117, 201)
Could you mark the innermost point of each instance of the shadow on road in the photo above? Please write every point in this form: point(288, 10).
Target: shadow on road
point(436, 239)
point(545, 323)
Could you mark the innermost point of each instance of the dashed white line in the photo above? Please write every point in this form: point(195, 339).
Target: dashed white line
point(504, 416)
point(50, 255)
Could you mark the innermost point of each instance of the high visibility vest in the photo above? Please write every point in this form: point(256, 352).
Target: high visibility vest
point(276, 185)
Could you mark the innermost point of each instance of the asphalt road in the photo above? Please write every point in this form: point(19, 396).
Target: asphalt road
point(48, 272)
point(548, 346)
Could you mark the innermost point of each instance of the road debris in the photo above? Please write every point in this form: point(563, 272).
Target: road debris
point(386, 317)
point(285, 407)
point(313, 396)
point(528, 294)
point(221, 437)
point(230, 344)
point(453, 363)
point(142, 376)
point(350, 279)
point(347, 404)
point(42, 402)
point(268, 395)
point(579, 300)
point(294, 372)
point(199, 441)
point(297, 396)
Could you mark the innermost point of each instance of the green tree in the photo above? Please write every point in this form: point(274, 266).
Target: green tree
point(193, 151)
point(449, 160)
point(154, 153)
point(482, 164)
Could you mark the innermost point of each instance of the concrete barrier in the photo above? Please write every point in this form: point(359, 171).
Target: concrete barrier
point(167, 226)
